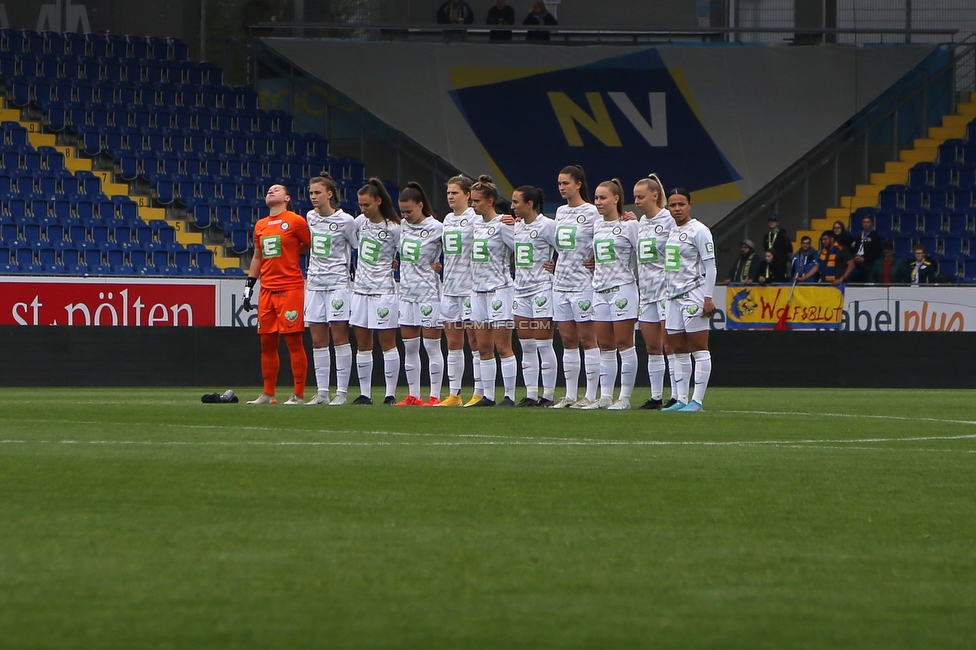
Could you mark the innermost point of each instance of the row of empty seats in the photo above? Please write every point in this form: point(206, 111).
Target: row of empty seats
point(103, 68)
point(92, 44)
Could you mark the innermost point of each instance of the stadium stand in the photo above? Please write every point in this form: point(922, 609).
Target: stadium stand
point(926, 197)
point(118, 155)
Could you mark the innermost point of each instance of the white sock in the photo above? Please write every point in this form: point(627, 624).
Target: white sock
point(571, 370)
point(672, 369)
point(322, 357)
point(703, 370)
point(455, 370)
point(391, 369)
point(488, 371)
point(682, 377)
point(655, 372)
point(608, 372)
point(364, 367)
point(628, 372)
point(476, 369)
point(549, 368)
point(343, 365)
point(592, 360)
point(411, 365)
point(509, 373)
point(530, 368)
point(435, 365)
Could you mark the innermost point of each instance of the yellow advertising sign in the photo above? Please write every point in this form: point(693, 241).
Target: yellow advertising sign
point(810, 307)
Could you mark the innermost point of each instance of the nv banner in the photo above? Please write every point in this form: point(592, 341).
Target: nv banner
point(621, 117)
point(809, 307)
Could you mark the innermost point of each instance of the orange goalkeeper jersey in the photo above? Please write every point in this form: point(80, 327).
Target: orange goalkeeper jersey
point(281, 239)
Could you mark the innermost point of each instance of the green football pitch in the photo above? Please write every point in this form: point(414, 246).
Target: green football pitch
point(134, 518)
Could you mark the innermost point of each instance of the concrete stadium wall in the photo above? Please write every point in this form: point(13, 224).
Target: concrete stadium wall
point(216, 358)
point(721, 121)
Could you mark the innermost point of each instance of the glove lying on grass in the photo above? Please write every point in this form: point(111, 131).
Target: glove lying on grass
point(214, 398)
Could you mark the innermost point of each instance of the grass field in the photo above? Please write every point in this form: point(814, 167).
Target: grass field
point(139, 518)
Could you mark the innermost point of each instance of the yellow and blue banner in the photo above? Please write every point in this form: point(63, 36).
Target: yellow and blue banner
point(621, 117)
point(761, 307)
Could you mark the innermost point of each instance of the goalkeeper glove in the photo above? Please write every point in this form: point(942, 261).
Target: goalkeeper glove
point(249, 293)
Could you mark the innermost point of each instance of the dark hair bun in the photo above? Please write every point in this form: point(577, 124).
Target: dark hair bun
point(485, 178)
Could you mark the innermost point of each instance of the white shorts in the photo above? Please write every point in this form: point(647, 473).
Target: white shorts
point(420, 314)
point(322, 306)
point(652, 312)
point(535, 305)
point(492, 306)
point(455, 309)
point(616, 304)
point(573, 305)
point(374, 312)
point(684, 313)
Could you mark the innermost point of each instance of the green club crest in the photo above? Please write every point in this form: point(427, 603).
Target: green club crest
point(466, 302)
point(337, 304)
point(691, 310)
point(620, 302)
point(584, 305)
point(382, 312)
point(291, 315)
point(426, 310)
point(496, 305)
point(541, 300)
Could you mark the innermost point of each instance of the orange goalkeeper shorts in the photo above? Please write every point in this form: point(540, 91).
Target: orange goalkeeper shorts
point(281, 311)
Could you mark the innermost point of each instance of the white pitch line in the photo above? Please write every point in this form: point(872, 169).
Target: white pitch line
point(899, 418)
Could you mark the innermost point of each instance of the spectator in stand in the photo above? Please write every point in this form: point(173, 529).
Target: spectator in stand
point(889, 269)
point(778, 239)
point(746, 268)
point(455, 12)
point(539, 16)
point(805, 265)
point(866, 250)
point(922, 269)
point(772, 270)
point(500, 14)
point(836, 263)
point(841, 234)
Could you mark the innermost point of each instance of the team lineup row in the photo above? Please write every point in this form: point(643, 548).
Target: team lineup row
point(593, 270)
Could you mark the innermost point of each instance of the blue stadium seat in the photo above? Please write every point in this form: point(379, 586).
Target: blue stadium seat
point(235, 271)
point(240, 240)
point(955, 247)
point(960, 222)
point(883, 223)
point(933, 223)
point(122, 269)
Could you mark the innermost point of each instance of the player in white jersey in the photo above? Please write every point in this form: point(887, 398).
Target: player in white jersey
point(327, 294)
point(456, 290)
point(535, 245)
point(690, 265)
point(615, 297)
point(653, 230)
point(572, 286)
point(420, 293)
point(492, 243)
point(374, 297)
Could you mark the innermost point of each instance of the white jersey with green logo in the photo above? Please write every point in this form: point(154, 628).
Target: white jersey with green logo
point(574, 243)
point(457, 253)
point(534, 246)
point(688, 247)
point(333, 239)
point(652, 237)
point(614, 243)
point(378, 243)
point(420, 246)
point(491, 245)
